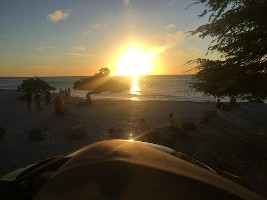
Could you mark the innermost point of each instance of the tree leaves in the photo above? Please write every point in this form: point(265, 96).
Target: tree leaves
point(35, 85)
point(100, 82)
point(239, 32)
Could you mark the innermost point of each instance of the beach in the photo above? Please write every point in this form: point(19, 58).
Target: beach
point(235, 141)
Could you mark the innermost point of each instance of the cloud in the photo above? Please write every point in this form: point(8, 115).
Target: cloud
point(170, 26)
point(85, 33)
point(79, 48)
point(126, 2)
point(170, 37)
point(41, 46)
point(58, 15)
point(171, 3)
point(99, 26)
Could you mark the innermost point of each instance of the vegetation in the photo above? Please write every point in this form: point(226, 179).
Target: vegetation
point(35, 84)
point(239, 32)
point(100, 82)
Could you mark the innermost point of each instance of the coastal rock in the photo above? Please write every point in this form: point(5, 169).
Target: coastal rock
point(77, 133)
point(208, 115)
point(2, 133)
point(36, 135)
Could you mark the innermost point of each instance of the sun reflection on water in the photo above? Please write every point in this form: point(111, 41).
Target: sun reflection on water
point(134, 90)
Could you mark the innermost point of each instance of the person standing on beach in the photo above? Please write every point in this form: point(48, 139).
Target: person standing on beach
point(58, 105)
point(69, 93)
point(47, 97)
point(233, 101)
point(38, 101)
point(219, 103)
point(61, 94)
point(28, 97)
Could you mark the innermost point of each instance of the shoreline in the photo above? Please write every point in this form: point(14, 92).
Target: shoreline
point(235, 141)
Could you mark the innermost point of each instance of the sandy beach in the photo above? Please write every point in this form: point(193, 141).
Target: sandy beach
point(234, 141)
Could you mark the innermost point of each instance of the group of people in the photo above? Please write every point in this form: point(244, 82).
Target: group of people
point(142, 129)
point(232, 102)
point(64, 95)
point(59, 100)
point(37, 98)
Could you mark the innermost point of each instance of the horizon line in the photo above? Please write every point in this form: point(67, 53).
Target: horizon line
point(92, 75)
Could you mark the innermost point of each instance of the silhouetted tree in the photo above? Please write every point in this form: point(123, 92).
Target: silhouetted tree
point(239, 32)
point(100, 82)
point(35, 84)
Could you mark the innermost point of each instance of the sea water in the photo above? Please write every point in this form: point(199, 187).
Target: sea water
point(152, 87)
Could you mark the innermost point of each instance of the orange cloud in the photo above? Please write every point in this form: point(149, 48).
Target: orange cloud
point(58, 15)
point(170, 37)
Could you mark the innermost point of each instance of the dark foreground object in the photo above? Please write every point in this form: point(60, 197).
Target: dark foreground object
point(120, 169)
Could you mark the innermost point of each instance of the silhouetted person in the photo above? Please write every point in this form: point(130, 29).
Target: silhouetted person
point(28, 97)
point(47, 97)
point(66, 96)
point(174, 123)
point(219, 103)
point(69, 93)
point(61, 94)
point(58, 105)
point(38, 101)
point(233, 101)
point(88, 99)
point(19, 88)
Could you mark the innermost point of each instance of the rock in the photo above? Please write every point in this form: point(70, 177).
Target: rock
point(189, 126)
point(226, 107)
point(77, 133)
point(2, 133)
point(208, 115)
point(35, 135)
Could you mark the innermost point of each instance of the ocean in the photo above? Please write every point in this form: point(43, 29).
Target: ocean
point(152, 87)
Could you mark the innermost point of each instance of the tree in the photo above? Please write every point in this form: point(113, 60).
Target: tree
point(100, 82)
point(35, 84)
point(239, 32)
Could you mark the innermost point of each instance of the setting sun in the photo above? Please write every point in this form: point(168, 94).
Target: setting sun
point(135, 62)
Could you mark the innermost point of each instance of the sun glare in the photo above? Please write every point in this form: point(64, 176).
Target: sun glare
point(135, 62)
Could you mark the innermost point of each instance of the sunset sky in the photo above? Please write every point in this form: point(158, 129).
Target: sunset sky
point(78, 37)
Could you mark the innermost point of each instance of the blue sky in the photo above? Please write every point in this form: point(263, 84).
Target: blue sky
point(77, 37)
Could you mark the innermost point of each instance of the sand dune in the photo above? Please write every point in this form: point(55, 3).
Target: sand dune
point(235, 141)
